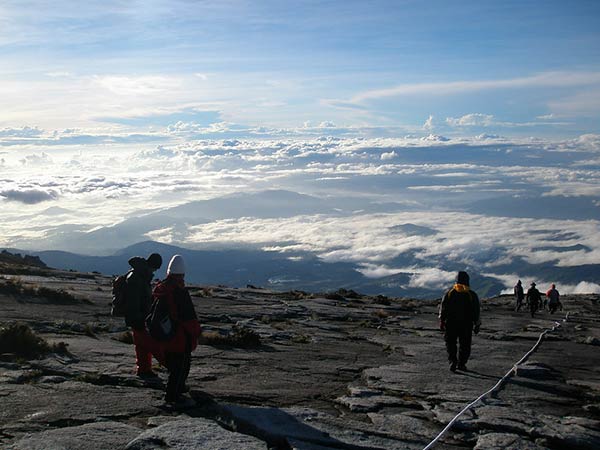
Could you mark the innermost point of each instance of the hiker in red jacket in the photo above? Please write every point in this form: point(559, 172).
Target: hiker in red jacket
point(183, 328)
point(553, 299)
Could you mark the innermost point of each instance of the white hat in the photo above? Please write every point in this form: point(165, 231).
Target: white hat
point(176, 266)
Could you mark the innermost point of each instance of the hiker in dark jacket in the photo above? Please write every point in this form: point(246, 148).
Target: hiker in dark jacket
point(519, 295)
point(553, 299)
point(138, 293)
point(459, 318)
point(176, 352)
point(533, 299)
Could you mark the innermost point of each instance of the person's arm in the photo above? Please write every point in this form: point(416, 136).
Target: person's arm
point(475, 304)
point(443, 312)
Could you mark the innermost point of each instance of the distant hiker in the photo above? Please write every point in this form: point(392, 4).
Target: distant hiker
point(173, 322)
point(553, 299)
point(459, 318)
point(519, 295)
point(533, 299)
point(138, 294)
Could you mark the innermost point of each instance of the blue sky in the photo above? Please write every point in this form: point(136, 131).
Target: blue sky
point(509, 68)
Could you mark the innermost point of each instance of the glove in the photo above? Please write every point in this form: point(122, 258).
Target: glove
point(476, 328)
point(442, 325)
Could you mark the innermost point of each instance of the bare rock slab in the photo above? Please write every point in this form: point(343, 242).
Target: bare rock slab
point(194, 434)
point(505, 441)
point(90, 436)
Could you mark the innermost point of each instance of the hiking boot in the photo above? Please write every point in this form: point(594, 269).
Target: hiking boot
point(462, 367)
point(147, 375)
point(453, 367)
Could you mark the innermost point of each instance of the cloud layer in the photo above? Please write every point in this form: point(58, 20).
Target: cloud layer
point(411, 205)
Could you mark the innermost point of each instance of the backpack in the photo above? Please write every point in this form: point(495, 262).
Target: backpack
point(119, 300)
point(158, 322)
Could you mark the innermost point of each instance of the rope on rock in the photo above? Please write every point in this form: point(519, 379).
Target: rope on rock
point(500, 382)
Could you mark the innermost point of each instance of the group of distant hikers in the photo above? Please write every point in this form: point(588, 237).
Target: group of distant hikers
point(534, 301)
point(164, 323)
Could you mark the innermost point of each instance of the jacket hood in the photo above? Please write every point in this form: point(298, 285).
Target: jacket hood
point(139, 263)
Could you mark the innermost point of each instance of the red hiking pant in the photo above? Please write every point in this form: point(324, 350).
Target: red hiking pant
point(143, 351)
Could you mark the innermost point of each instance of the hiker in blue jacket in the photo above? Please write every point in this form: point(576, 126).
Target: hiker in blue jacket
point(459, 318)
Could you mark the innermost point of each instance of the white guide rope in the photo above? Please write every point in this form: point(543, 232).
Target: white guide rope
point(499, 383)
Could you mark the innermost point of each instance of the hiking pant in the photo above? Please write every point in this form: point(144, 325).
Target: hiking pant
point(533, 307)
point(519, 304)
point(178, 365)
point(553, 307)
point(463, 334)
point(143, 354)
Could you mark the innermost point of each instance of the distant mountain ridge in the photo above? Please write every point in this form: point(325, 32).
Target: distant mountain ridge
point(240, 267)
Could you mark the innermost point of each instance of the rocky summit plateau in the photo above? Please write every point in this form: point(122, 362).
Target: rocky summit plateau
point(291, 370)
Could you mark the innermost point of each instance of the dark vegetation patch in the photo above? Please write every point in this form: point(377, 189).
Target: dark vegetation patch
point(90, 329)
point(20, 341)
point(240, 337)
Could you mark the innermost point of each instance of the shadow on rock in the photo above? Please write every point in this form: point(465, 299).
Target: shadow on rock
point(276, 427)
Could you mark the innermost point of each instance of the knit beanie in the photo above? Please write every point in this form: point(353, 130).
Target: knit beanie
point(176, 266)
point(462, 278)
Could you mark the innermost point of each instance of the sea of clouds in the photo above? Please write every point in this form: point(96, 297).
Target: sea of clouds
point(482, 201)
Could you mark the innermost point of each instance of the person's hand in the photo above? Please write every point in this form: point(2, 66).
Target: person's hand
point(476, 328)
point(442, 325)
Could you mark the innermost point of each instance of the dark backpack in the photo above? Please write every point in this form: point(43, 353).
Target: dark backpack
point(159, 323)
point(119, 297)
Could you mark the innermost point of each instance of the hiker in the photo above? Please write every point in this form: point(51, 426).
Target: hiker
point(138, 292)
point(533, 298)
point(553, 299)
point(519, 295)
point(459, 318)
point(181, 335)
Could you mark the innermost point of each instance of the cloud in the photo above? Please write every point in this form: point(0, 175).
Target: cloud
point(547, 79)
point(29, 197)
point(385, 156)
point(428, 125)
point(435, 138)
point(42, 159)
point(471, 120)
point(138, 85)
point(546, 117)
point(430, 278)
point(24, 132)
point(377, 271)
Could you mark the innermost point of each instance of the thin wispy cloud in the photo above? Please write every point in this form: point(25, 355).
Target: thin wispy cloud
point(549, 79)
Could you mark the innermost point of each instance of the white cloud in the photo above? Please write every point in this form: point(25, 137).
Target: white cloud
point(41, 159)
point(141, 85)
point(428, 125)
point(547, 79)
point(377, 271)
point(430, 278)
point(546, 117)
point(471, 120)
point(385, 156)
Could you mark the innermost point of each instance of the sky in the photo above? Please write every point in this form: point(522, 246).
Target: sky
point(512, 67)
point(479, 120)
